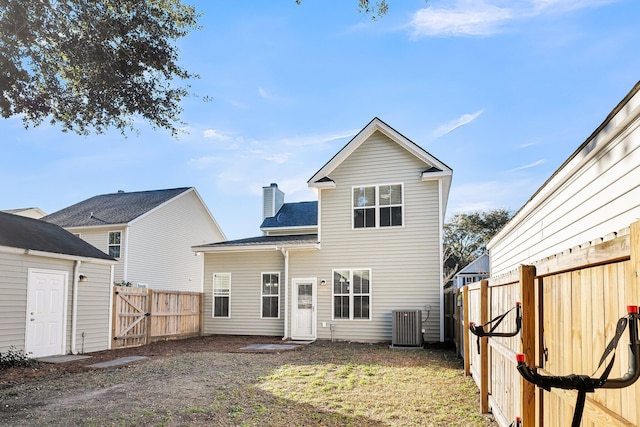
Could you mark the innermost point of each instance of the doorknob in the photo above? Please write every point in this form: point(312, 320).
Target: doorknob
point(33, 320)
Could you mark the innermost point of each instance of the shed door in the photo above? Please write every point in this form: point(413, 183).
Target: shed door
point(303, 317)
point(45, 313)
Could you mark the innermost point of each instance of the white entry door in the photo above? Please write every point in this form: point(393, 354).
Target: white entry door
point(303, 322)
point(45, 313)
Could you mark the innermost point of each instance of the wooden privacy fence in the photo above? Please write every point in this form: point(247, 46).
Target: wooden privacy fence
point(141, 316)
point(570, 306)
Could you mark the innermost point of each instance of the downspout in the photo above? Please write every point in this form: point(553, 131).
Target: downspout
point(74, 306)
point(110, 333)
point(441, 226)
point(285, 253)
point(125, 263)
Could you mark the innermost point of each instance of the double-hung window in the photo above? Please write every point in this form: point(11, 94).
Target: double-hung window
point(270, 295)
point(352, 294)
point(221, 294)
point(114, 244)
point(377, 206)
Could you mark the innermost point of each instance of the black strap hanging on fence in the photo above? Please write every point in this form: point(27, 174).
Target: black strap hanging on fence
point(584, 384)
point(480, 332)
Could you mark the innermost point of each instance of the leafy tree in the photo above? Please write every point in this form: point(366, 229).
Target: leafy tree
point(376, 10)
point(466, 237)
point(93, 64)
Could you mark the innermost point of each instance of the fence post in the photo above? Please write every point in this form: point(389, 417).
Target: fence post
point(149, 318)
point(527, 294)
point(633, 284)
point(201, 317)
point(465, 330)
point(484, 348)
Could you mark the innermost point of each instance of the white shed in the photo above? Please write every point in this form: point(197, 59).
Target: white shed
point(55, 290)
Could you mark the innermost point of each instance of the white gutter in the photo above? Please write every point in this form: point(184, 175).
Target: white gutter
point(254, 248)
point(32, 252)
point(285, 253)
point(74, 306)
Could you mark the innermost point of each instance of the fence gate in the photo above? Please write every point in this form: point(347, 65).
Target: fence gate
point(131, 323)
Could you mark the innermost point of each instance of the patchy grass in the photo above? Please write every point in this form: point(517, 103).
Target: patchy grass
point(322, 384)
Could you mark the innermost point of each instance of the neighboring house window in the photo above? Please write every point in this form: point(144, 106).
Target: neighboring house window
point(221, 294)
point(352, 294)
point(377, 206)
point(270, 295)
point(114, 244)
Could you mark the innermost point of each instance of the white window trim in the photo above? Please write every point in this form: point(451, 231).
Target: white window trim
point(270, 296)
point(213, 297)
point(376, 206)
point(109, 245)
point(351, 318)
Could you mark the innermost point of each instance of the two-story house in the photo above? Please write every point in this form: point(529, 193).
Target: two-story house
point(150, 233)
point(337, 267)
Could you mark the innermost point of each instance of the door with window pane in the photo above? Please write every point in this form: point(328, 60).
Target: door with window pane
point(303, 319)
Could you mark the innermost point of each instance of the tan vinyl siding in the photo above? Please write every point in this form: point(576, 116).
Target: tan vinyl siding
point(14, 275)
point(159, 250)
point(404, 261)
point(93, 309)
point(99, 237)
point(93, 302)
point(599, 197)
point(246, 270)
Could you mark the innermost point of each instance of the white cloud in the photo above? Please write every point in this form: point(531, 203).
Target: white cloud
point(215, 135)
point(465, 18)
point(271, 97)
point(203, 162)
point(528, 166)
point(485, 195)
point(485, 18)
point(306, 140)
point(455, 124)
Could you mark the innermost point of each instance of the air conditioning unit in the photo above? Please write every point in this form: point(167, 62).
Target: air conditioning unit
point(406, 328)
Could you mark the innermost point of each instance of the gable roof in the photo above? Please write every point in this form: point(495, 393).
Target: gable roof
point(435, 168)
point(479, 265)
point(301, 214)
point(34, 234)
point(113, 208)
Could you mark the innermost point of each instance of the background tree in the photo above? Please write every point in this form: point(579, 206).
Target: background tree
point(466, 237)
point(376, 9)
point(93, 64)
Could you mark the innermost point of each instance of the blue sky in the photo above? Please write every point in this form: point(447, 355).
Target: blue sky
point(502, 91)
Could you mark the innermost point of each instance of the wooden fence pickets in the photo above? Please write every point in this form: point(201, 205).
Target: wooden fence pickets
point(570, 306)
point(142, 316)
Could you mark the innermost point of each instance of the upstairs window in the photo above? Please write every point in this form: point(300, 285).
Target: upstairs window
point(377, 206)
point(270, 295)
point(221, 294)
point(114, 244)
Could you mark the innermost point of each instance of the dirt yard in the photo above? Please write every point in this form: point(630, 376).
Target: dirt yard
point(211, 381)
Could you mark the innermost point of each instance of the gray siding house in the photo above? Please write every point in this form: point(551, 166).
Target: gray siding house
point(150, 233)
point(55, 290)
point(337, 267)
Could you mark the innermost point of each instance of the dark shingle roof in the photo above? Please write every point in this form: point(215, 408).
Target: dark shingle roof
point(301, 214)
point(28, 233)
point(266, 241)
point(114, 208)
